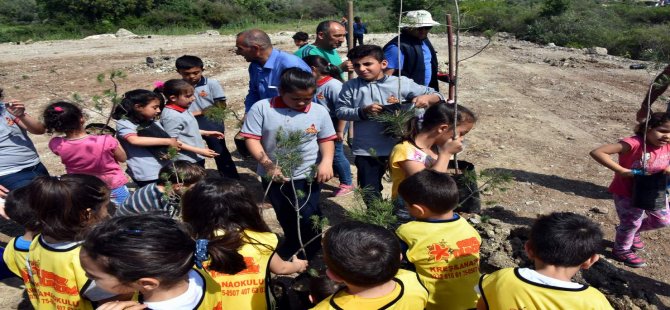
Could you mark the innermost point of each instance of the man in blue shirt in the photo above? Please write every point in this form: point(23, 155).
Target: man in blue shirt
point(418, 59)
point(266, 65)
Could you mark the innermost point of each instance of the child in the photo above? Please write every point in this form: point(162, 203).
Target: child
point(560, 245)
point(320, 288)
point(221, 208)
point(180, 124)
point(429, 142)
point(360, 30)
point(157, 198)
point(153, 257)
point(633, 220)
point(293, 112)
point(208, 93)
point(366, 96)
point(135, 116)
point(441, 245)
point(66, 206)
point(366, 258)
point(328, 86)
point(300, 39)
point(18, 209)
point(97, 155)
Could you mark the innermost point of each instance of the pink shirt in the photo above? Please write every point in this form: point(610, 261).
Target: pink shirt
point(658, 160)
point(93, 155)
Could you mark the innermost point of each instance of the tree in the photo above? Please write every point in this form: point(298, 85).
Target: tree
point(93, 10)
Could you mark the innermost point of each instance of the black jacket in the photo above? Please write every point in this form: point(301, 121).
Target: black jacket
point(413, 65)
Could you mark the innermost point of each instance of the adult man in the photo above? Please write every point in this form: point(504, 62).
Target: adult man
point(266, 65)
point(661, 83)
point(330, 35)
point(418, 59)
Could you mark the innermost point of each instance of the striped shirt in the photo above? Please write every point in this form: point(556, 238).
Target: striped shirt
point(149, 199)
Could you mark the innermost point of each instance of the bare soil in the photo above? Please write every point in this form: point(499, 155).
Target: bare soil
point(541, 110)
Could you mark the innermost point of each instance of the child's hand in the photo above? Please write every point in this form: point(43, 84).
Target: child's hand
point(173, 143)
point(340, 136)
point(215, 134)
point(627, 173)
point(324, 173)
point(667, 170)
point(274, 172)
point(300, 265)
point(452, 146)
point(209, 153)
point(122, 305)
point(373, 109)
point(422, 101)
point(16, 108)
point(3, 191)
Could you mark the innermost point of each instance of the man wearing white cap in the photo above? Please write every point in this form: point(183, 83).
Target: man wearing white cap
point(418, 59)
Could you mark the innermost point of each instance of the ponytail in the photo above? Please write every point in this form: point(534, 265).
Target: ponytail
point(323, 66)
point(140, 97)
point(436, 115)
point(223, 255)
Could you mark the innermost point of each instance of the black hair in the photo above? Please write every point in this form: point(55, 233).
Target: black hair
point(151, 246)
point(324, 26)
point(321, 287)
point(357, 19)
point(656, 119)
point(174, 87)
point(361, 254)
point(62, 203)
point(62, 116)
point(188, 61)
point(358, 52)
point(216, 205)
point(181, 172)
point(437, 115)
point(434, 190)
point(301, 36)
point(2, 93)
point(17, 207)
point(140, 97)
point(323, 66)
point(565, 239)
point(293, 79)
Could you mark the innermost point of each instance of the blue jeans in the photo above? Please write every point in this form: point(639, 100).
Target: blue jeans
point(341, 164)
point(23, 177)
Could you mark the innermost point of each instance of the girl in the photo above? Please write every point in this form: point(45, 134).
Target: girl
point(153, 257)
point(97, 155)
point(328, 86)
point(633, 220)
point(141, 136)
point(66, 206)
point(279, 118)
point(180, 123)
point(216, 207)
point(429, 142)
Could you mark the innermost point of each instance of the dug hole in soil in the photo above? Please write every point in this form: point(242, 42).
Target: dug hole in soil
point(541, 110)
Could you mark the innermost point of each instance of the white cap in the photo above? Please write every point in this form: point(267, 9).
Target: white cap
point(416, 19)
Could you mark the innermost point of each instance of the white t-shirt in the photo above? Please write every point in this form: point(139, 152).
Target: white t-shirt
point(188, 300)
point(538, 278)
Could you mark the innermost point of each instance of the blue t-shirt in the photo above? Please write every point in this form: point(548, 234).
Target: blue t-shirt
point(391, 55)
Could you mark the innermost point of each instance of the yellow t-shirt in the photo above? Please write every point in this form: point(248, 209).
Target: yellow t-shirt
point(248, 289)
point(402, 152)
point(446, 256)
point(211, 293)
point(408, 294)
point(55, 279)
point(15, 259)
point(505, 289)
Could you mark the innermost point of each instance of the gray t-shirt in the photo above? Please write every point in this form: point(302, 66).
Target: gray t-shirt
point(183, 126)
point(268, 116)
point(326, 93)
point(358, 93)
point(142, 165)
point(17, 151)
point(207, 91)
point(149, 199)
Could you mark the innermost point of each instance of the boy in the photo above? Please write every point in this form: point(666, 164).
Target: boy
point(366, 96)
point(441, 245)
point(300, 39)
point(560, 244)
point(366, 259)
point(153, 197)
point(18, 209)
point(208, 92)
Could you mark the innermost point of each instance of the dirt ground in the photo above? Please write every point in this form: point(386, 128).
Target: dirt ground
point(541, 110)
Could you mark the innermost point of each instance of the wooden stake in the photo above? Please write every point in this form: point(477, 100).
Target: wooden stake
point(450, 40)
point(350, 29)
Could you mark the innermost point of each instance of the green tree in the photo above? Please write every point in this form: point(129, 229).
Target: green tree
point(93, 10)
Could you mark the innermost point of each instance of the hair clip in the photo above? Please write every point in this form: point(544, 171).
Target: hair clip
point(58, 109)
point(201, 252)
point(158, 84)
point(133, 232)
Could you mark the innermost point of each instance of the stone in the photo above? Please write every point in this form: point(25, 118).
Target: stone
point(596, 50)
point(551, 44)
point(600, 210)
point(210, 33)
point(124, 33)
point(100, 36)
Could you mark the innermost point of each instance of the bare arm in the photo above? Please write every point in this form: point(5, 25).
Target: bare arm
point(151, 141)
point(258, 153)
point(602, 156)
point(25, 121)
point(280, 266)
point(119, 154)
point(198, 150)
point(661, 83)
point(325, 168)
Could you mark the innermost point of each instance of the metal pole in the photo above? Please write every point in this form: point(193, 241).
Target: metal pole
point(350, 29)
point(450, 40)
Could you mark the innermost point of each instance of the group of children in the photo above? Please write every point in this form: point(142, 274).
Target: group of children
point(185, 241)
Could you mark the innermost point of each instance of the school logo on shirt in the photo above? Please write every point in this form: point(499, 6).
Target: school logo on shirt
point(252, 267)
point(203, 93)
point(10, 121)
point(311, 130)
point(392, 100)
point(440, 251)
point(320, 96)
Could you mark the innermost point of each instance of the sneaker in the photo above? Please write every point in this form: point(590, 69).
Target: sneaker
point(638, 244)
point(344, 190)
point(629, 258)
